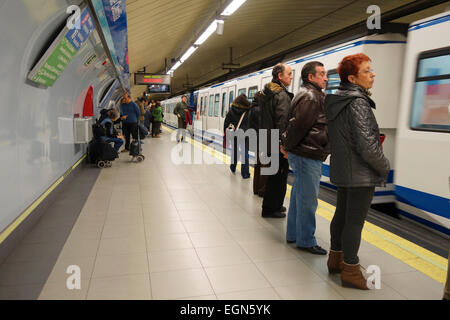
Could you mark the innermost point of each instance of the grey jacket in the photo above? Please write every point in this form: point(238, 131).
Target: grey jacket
point(357, 159)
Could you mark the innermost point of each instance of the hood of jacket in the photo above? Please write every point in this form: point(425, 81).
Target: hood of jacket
point(240, 106)
point(347, 92)
point(274, 87)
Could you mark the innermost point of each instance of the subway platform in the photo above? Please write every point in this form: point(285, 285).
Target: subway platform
point(163, 231)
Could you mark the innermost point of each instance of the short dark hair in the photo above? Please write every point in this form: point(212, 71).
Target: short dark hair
point(310, 68)
point(112, 114)
point(279, 68)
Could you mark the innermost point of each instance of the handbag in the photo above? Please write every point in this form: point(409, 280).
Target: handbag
point(231, 129)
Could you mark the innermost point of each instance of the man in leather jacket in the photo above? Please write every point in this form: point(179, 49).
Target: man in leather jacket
point(306, 141)
point(280, 98)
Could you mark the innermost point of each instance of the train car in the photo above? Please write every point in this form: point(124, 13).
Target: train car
point(168, 106)
point(422, 178)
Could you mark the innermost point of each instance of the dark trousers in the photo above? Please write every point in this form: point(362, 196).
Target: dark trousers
point(181, 129)
point(240, 152)
point(276, 188)
point(351, 211)
point(129, 128)
point(155, 128)
point(259, 181)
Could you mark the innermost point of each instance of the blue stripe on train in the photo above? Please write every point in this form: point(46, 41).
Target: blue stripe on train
point(425, 222)
point(429, 23)
point(326, 173)
point(425, 201)
point(377, 193)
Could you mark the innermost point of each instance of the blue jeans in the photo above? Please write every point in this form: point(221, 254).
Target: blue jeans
point(301, 221)
point(117, 142)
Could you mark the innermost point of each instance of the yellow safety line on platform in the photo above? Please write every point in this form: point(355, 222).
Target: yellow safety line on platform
point(5, 233)
point(421, 259)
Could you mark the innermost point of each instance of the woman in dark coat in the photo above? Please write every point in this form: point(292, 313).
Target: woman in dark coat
point(357, 164)
point(239, 109)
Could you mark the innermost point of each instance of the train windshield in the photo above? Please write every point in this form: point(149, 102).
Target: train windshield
point(431, 99)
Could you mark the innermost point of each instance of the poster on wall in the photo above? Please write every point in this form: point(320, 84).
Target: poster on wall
point(65, 46)
point(113, 20)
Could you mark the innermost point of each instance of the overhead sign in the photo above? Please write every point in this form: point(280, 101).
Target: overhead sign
point(112, 16)
point(61, 52)
point(147, 79)
point(158, 88)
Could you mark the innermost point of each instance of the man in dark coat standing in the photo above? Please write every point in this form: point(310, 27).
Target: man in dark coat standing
point(306, 141)
point(280, 102)
point(180, 111)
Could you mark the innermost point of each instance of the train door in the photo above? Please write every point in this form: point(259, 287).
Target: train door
point(265, 80)
point(204, 111)
point(214, 119)
point(227, 98)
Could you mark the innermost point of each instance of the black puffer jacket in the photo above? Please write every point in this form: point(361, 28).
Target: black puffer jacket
point(357, 159)
point(306, 134)
point(234, 115)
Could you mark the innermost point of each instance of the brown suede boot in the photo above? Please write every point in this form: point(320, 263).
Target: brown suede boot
point(335, 261)
point(352, 277)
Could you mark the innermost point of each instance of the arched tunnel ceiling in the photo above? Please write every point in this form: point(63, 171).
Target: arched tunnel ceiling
point(160, 29)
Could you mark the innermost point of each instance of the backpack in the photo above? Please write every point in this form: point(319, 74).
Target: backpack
point(260, 115)
point(103, 114)
point(98, 130)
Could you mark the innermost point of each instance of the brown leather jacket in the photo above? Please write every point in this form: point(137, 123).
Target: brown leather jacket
point(307, 134)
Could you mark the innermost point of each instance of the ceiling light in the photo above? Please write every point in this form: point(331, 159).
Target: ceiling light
point(175, 66)
point(212, 27)
point(188, 53)
point(232, 7)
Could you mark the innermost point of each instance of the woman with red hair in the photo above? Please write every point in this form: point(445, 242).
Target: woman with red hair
point(357, 164)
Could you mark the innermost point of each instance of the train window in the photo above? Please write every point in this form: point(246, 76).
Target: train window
point(251, 93)
point(431, 98)
point(201, 105)
point(224, 101)
point(230, 99)
point(211, 101)
point(216, 105)
point(333, 83)
point(204, 105)
point(241, 91)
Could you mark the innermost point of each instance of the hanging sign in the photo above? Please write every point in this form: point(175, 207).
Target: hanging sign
point(62, 51)
point(147, 79)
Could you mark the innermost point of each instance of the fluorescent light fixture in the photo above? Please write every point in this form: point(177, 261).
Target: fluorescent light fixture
point(188, 53)
point(175, 66)
point(212, 27)
point(232, 7)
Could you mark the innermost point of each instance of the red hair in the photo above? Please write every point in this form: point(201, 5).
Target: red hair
point(350, 65)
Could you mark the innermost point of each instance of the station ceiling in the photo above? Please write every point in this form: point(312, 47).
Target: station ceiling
point(159, 30)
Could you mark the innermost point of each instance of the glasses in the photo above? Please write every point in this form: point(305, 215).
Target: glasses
point(367, 71)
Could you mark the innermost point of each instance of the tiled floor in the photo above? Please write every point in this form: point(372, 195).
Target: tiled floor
point(156, 230)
